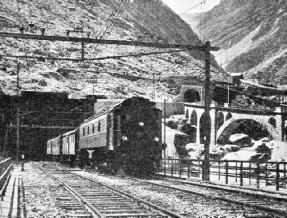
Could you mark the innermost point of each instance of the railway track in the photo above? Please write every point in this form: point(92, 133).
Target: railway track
point(228, 201)
point(251, 204)
point(88, 198)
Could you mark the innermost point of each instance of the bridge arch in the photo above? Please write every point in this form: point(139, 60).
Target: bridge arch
point(191, 95)
point(228, 116)
point(272, 121)
point(266, 126)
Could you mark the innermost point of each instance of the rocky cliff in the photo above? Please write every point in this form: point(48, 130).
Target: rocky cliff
point(251, 35)
point(138, 20)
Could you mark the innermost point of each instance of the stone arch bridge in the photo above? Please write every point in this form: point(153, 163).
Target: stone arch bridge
point(221, 117)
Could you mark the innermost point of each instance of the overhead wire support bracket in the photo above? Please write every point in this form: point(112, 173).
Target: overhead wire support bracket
point(102, 41)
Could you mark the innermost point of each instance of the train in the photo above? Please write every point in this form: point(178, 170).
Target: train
point(126, 137)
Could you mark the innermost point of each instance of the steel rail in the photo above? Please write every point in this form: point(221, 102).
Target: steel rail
point(96, 213)
point(282, 214)
point(158, 208)
point(232, 188)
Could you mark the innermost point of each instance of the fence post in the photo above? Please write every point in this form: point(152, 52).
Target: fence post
point(284, 175)
point(226, 172)
point(236, 171)
point(218, 170)
point(241, 174)
point(266, 173)
point(277, 177)
point(257, 175)
point(179, 163)
point(165, 166)
point(249, 173)
point(199, 168)
point(171, 168)
point(188, 168)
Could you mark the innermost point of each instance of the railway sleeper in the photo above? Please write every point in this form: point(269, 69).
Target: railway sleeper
point(257, 215)
point(125, 211)
point(119, 208)
point(79, 215)
point(99, 201)
point(103, 203)
point(140, 215)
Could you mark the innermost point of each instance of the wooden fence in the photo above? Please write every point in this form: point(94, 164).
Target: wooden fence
point(230, 172)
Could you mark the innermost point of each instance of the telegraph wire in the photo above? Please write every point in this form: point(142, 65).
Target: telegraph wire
point(193, 7)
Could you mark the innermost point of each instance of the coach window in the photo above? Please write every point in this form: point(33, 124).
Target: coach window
point(83, 131)
point(93, 128)
point(88, 130)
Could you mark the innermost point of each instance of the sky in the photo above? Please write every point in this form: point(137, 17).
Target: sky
point(195, 6)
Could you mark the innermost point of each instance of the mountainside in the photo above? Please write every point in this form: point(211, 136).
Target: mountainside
point(138, 20)
point(251, 35)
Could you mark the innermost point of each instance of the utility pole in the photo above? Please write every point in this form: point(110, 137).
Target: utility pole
point(18, 115)
point(153, 94)
point(205, 164)
point(164, 127)
point(228, 94)
point(94, 81)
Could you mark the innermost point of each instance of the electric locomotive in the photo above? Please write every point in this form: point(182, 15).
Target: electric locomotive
point(127, 137)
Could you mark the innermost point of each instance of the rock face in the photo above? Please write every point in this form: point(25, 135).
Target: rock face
point(251, 35)
point(139, 20)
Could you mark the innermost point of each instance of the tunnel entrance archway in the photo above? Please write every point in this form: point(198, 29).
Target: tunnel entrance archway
point(191, 95)
point(250, 127)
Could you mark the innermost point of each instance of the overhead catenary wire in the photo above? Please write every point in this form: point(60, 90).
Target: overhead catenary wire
point(108, 27)
point(193, 7)
point(97, 58)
